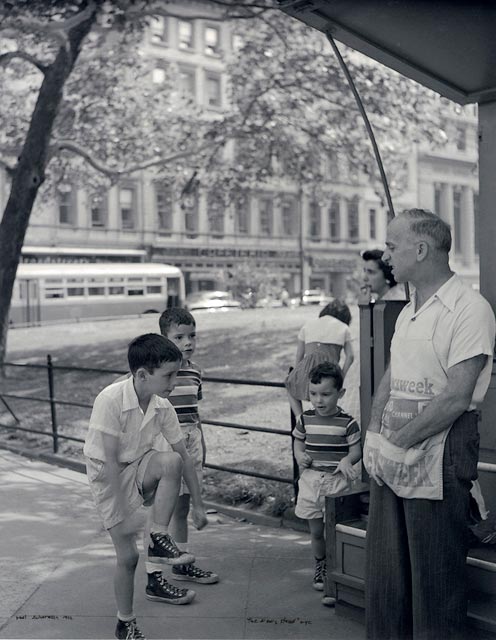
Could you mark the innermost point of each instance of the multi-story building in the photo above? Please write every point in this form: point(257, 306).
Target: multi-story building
point(309, 244)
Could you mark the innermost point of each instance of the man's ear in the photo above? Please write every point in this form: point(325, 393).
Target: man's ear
point(341, 392)
point(422, 251)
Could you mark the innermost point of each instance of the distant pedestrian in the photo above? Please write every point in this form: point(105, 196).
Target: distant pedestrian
point(320, 340)
point(179, 326)
point(125, 472)
point(327, 449)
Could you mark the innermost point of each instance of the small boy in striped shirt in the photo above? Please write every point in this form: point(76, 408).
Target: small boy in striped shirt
point(179, 326)
point(327, 449)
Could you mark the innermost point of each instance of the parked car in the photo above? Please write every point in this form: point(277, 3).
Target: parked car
point(211, 301)
point(311, 296)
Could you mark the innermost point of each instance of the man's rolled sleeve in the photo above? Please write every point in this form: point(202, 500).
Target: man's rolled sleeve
point(473, 334)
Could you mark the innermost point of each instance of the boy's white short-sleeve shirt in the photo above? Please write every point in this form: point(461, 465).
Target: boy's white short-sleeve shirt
point(327, 330)
point(116, 412)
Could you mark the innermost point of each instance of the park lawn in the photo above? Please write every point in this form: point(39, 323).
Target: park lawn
point(256, 344)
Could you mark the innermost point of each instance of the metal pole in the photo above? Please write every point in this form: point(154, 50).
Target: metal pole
point(301, 242)
point(51, 393)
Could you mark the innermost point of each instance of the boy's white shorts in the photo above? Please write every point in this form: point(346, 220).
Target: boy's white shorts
point(313, 487)
point(131, 480)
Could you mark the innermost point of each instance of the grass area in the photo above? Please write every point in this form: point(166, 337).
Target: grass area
point(257, 344)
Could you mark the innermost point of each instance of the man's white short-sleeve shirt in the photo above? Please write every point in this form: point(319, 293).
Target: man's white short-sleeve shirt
point(116, 412)
point(462, 325)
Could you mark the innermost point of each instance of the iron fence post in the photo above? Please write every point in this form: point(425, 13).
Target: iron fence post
point(53, 410)
point(296, 472)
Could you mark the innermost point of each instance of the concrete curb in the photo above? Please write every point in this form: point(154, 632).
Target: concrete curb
point(289, 521)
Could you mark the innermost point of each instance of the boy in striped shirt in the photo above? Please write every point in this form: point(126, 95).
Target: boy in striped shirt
point(327, 449)
point(179, 326)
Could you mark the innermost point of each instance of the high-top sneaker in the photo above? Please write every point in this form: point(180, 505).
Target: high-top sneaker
point(159, 590)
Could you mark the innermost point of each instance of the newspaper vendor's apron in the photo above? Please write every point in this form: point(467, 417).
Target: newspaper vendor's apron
point(417, 376)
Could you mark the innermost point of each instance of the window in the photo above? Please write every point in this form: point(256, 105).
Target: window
point(314, 221)
point(158, 30)
point(437, 199)
point(212, 40)
point(333, 166)
point(159, 73)
point(213, 90)
point(457, 219)
point(353, 220)
point(127, 205)
point(215, 214)
point(96, 291)
point(116, 291)
point(187, 82)
point(135, 291)
point(99, 210)
point(154, 289)
point(476, 222)
point(67, 205)
point(185, 34)
point(242, 216)
point(334, 220)
point(163, 203)
point(288, 217)
point(266, 213)
point(461, 138)
point(373, 224)
point(54, 288)
point(75, 291)
point(190, 207)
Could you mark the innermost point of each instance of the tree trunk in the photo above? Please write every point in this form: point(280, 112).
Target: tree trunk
point(30, 170)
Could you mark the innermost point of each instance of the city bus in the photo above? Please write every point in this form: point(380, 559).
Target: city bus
point(56, 292)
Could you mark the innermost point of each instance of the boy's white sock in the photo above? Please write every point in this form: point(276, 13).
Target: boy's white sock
point(152, 567)
point(158, 528)
point(128, 618)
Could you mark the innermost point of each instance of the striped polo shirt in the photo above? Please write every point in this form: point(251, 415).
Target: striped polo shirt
point(185, 395)
point(327, 438)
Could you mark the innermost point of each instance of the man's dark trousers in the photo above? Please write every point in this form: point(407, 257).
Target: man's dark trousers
point(417, 550)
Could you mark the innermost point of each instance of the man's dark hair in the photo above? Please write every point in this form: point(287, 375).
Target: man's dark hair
point(327, 370)
point(337, 309)
point(174, 315)
point(376, 256)
point(150, 351)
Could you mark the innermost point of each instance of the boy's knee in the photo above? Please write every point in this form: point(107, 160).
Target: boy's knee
point(174, 463)
point(128, 559)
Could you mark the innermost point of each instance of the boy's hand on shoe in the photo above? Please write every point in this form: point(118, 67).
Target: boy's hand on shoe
point(199, 517)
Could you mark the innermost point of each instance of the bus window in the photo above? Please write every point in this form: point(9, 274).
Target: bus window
point(113, 279)
point(96, 291)
point(54, 288)
point(135, 291)
point(116, 291)
point(75, 291)
point(154, 289)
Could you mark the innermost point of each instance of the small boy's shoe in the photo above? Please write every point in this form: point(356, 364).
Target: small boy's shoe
point(165, 551)
point(194, 574)
point(328, 601)
point(128, 630)
point(319, 575)
point(159, 590)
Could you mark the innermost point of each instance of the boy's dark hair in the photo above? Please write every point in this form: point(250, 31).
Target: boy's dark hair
point(337, 309)
point(375, 255)
point(174, 315)
point(327, 370)
point(151, 351)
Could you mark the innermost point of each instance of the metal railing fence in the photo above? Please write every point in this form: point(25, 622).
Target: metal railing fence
point(56, 435)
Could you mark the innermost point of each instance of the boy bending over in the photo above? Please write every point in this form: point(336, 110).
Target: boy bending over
point(124, 472)
point(327, 446)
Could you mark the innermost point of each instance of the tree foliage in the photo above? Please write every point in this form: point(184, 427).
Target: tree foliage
point(79, 106)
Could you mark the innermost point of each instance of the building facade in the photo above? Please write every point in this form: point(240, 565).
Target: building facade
point(308, 244)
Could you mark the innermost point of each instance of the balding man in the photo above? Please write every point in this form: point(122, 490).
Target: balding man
point(421, 447)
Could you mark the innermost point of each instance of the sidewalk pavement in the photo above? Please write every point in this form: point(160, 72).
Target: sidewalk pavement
point(57, 569)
